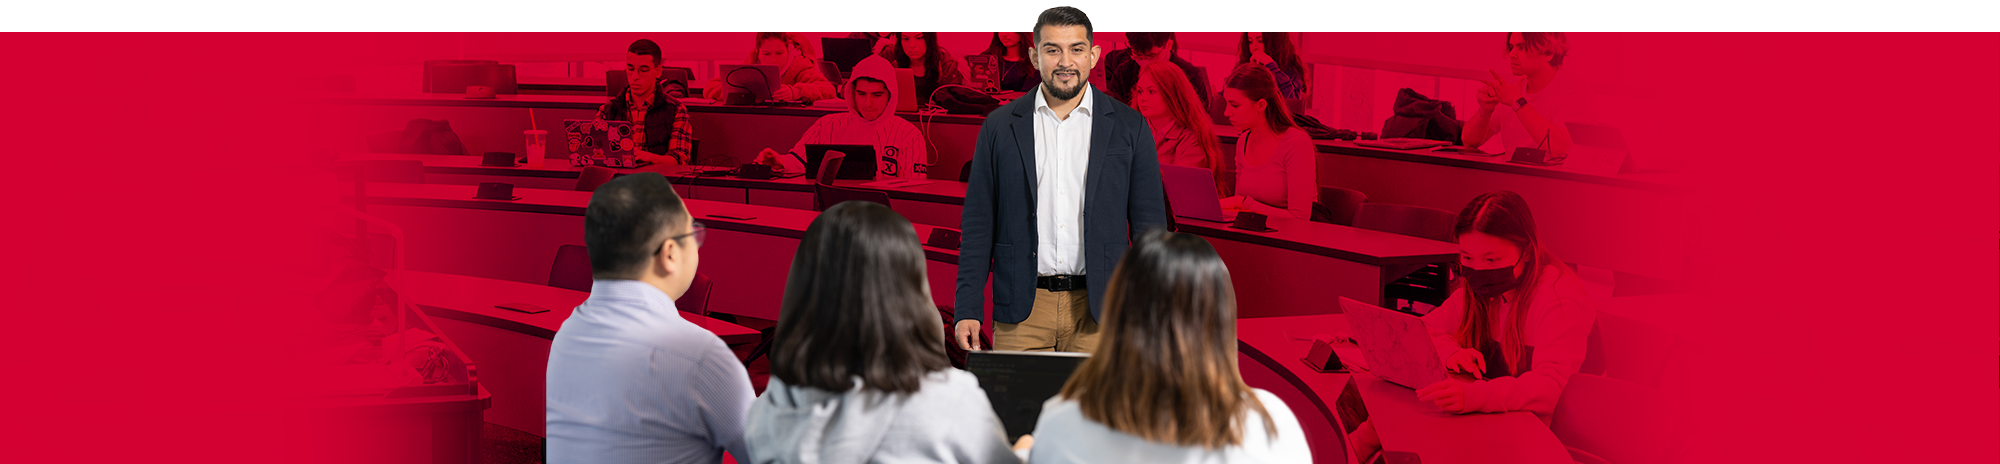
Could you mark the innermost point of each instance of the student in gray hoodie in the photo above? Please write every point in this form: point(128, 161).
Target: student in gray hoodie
point(858, 366)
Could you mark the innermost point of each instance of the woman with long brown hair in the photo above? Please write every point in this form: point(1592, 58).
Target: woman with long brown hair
point(933, 66)
point(1181, 131)
point(1274, 51)
point(1517, 321)
point(1276, 162)
point(1017, 72)
point(1163, 385)
point(858, 366)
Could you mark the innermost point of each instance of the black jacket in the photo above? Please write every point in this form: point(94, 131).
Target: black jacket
point(659, 119)
point(1122, 198)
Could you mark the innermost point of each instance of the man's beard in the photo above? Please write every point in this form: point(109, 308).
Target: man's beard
point(1061, 93)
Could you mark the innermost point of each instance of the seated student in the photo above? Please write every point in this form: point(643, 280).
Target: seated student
point(659, 120)
point(1531, 111)
point(1016, 72)
point(1181, 130)
point(858, 365)
point(1121, 68)
point(1517, 321)
point(629, 380)
point(870, 120)
point(1163, 385)
point(1274, 51)
point(1275, 160)
point(934, 66)
point(799, 76)
point(135, 17)
point(881, 23)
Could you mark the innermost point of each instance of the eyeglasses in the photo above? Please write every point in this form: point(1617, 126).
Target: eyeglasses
point(700, 234)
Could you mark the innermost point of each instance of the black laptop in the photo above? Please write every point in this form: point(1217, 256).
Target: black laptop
point(859, 164)
point(844, 53)
point(1017, 382)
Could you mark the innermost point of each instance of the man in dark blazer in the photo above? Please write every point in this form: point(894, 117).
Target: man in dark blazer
point(1061, 182)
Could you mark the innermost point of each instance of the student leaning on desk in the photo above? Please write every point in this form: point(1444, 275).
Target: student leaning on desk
point(869, 120)
point(1518, 322)
point(798, 74)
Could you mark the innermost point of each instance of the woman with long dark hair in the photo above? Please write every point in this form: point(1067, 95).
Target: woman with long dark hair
point(1016, 72)
point(932, 65)
point(1276, 162)
point(1275, 52)
point(858, 366)
point(1517, 321)
point(1181, 130)
point(1163, 384)
point(798, 68)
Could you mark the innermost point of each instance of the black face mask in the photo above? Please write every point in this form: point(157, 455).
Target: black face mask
point(1489, 283)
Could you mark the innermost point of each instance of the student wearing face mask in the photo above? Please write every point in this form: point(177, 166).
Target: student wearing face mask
point(871, 120)
point(135, 17)
point(798, 74)
point(1515, 326)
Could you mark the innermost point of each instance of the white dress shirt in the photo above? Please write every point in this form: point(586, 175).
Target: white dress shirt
point(1062, 155)
point(630, 381)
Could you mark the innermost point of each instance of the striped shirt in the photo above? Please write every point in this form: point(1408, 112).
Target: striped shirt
point(630, 381)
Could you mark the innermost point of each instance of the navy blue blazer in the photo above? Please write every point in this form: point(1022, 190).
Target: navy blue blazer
point(1122, 198)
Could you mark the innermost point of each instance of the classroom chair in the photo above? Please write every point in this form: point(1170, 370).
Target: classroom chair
point(1430, 285)
point(832, 73)
point(1604, 420)
point(593, 177)
point(965, 171)
point(696, 298)
point(1629, 350)
point(1337, 205)
point(571, 269)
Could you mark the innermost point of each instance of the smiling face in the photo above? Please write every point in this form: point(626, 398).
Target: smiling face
point(1478, 251)
point(913, 44)
point(772, 51)
point(1065, 57)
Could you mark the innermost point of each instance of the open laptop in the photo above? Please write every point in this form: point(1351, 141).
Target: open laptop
point(845, 53)
point(1017, 382)
point(1396, 344)
point(597, 142)
point(858, 163)
point(907, 100)
point(758, 80)
point(1192, 192)
point(983, 73)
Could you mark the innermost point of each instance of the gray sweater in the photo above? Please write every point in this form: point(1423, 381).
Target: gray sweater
point(948, 420)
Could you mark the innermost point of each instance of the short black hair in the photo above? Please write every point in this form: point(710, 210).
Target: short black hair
point(856, 305)
point(626, 221)
point(1149, 31)
point(645, 47)
point(1063, 16)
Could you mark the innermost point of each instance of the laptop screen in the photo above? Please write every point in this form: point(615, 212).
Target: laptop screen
point(1017, 383)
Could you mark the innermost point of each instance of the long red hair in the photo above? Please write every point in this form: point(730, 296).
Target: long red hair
point(1258, 83)
point(1184, 105)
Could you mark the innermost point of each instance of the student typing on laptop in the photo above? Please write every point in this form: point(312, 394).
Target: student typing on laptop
point(659, 121)
point(798, 75)
point(1517, 321)
point(869, 120)
point(1275, 160)
point(1163, 385)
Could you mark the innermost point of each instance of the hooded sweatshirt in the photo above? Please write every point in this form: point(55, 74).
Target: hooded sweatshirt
point(948, 420)
point(899, 148)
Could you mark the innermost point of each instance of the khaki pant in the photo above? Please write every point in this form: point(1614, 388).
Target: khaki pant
point(1060, 321)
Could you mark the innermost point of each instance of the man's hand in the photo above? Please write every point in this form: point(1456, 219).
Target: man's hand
point(1026, 442)
point(1504, 92)
point(650, 157)
point(1488, 100)
point(785, 93)
point(968, 334)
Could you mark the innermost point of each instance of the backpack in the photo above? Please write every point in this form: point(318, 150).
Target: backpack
point(959, 99)
point(430, 137)
point(1420, 117)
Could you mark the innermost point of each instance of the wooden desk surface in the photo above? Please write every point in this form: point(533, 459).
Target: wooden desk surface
point(1404, 423)
point(472, 299)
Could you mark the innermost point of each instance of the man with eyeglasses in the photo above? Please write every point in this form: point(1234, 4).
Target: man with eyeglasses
point(629, 380)
point(1121, 68)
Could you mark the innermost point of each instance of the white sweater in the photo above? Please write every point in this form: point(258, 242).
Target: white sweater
point(1063, 435)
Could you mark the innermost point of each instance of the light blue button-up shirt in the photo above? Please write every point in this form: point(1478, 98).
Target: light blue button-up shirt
point(630, 381)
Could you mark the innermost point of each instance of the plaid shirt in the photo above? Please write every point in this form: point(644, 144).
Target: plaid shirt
point(654, 119)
